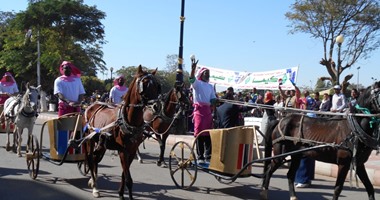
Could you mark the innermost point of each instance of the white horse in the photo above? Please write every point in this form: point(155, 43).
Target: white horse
point(22, 111)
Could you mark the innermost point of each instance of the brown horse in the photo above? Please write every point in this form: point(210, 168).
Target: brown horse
point(344, 141)
point(120, 128)
point(162, 117)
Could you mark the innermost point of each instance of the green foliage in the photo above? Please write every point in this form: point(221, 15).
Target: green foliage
point(91, 83)
point(357, 20)
point(66, 30)
point(172, 62)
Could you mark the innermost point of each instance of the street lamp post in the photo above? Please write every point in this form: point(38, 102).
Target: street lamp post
point(179, 75)
point(28, 35)
point(357, 84)
point(111, 69)
point(38, 59)
point(339, 40)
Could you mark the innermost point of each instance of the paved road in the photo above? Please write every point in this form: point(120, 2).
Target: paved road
point(150, 181)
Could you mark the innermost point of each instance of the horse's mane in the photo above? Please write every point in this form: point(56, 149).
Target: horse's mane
point(132, 87)
point(167, 96)
point(363, 99)
point(127, 96)
point(25, 95)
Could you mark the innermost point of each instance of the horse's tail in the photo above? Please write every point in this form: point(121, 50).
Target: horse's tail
point(268, 143)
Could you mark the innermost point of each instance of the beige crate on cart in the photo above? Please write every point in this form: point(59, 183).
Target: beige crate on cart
point(58, 143)
point(232, 148)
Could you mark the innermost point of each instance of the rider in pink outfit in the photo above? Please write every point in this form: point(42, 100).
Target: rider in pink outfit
point(8, 87)
point(204, 99)
point(69, 89)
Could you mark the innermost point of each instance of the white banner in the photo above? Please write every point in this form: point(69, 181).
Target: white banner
point(248, 80)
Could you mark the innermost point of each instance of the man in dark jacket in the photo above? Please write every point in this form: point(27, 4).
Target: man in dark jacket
point(228, 114)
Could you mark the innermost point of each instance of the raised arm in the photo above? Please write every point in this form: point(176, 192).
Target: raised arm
point(193, 67)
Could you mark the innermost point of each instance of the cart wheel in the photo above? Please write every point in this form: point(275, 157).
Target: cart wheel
point(183, 165)
point(33, 157)
point(83, 167)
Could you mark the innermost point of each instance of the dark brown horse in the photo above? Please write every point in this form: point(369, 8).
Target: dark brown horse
point(162, 117)
point(120, 128)
point(345, 141)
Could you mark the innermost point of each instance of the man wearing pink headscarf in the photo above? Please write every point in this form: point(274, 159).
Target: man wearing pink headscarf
point(204, 98)
point(8, 87)
point(69, 89)
point(118, 90)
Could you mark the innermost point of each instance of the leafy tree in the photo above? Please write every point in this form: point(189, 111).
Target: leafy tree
point(172, 62)
point(172, 66)
point(357, 20)
point(91, 83)
point(66, 30)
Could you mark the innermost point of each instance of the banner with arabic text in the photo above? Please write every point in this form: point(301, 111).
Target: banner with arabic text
point(248, 80)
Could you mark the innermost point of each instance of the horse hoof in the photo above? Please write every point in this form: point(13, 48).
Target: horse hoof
point(140, 161)
point(162, 164)
point(96, 194)
point(8, 148)
point(19, 155)
point(293, 198)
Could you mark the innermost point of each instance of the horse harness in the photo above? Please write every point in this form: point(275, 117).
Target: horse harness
point(158, 111)
point(121, 122)
point(22, 111)
point(357, 133)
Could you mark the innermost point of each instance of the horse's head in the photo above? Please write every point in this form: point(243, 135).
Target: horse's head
point(370, 99)
point(182, 96)
point(143, 88)
point(31, 97)
point(375, 96)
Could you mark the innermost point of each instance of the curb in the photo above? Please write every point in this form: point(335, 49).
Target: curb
point(321, 168)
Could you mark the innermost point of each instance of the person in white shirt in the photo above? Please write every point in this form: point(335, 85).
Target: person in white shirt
point(118, 90)
point(338, 102)
point(69, 89)
point(204, 98)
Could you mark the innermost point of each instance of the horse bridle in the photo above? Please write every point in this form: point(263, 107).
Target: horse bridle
point(375, 98)
point(125, 127)
point(182, 105)
point(28, 104)
point(140, 86)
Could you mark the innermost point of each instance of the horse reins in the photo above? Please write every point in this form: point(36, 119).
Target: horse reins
point(161, 114)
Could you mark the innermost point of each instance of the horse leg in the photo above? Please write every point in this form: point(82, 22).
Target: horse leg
point(270, 167)
point(162, 142)
point(19, 141)
point(138, 155)
point(341, 177)
point(362, 173)
point(7, 145)
point(92, 164)
point(29, 142)
point(294, 164)
point(124, 174)
point(129, 180)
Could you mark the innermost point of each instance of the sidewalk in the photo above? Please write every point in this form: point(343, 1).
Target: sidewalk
point(326, 169)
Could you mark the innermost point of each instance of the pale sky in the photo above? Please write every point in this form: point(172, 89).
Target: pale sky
point(240, 35)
